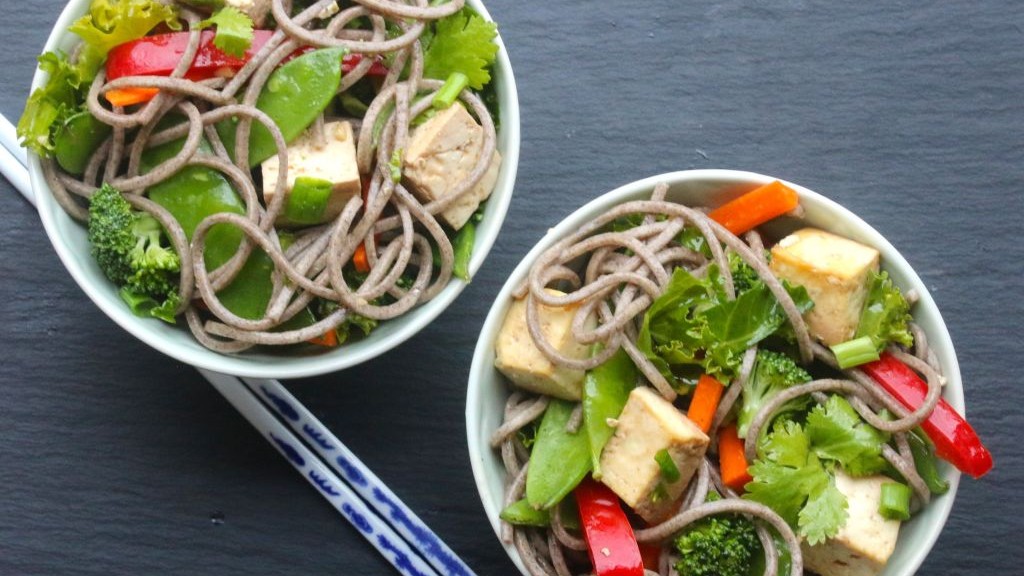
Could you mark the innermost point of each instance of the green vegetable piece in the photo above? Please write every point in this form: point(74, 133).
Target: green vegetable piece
point(192, 194)
point(895, 501)
point(128, 248)
point(855, 352)
point(885, 314)
point(838, 433)
point(52, 104)
point(294, 95)
point(234, 30)
point(723, 545)
point(772, 373)
point(463, 249)
point(521, 513)
point(113, 22)
point(790, 479)
point(395, 164)
point(925, 463)
point(464, 43)
point(669, 470)
point(307, 201)
point(559, 460)
point(605, 392)
point(77, 139)
point(453, 86)
point(693, 323)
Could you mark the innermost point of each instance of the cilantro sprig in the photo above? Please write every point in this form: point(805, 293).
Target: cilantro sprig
point(464, 43)
point(794, 473)
point(234, 30)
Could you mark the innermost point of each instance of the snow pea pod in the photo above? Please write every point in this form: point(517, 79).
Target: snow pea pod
point(293, 96)
point(192, 194)
point(522, 514)
point(560, 459)
point(605, 392)
point(76, 141)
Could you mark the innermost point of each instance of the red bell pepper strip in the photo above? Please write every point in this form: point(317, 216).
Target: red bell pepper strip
point(159, 54)
point(610, 539)
point(955, 440)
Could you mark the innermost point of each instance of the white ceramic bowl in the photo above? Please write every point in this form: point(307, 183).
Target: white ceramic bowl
point(488, 390)
point(69, 239)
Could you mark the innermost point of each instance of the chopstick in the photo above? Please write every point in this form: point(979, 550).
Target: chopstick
point(363, 481)
point(334, 470)
point(378, 532)
point(13, 160)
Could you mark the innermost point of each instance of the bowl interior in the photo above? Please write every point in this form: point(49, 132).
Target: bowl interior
point(69, 240)
point(487, 389)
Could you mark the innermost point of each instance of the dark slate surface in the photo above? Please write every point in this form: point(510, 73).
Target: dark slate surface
point(114, 459)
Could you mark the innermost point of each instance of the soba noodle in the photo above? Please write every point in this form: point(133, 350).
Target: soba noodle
point(401, 234)
point(615, 275)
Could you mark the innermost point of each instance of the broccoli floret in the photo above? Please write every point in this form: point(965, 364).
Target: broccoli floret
point(744, 277)
point(725, 545)
point(772, 373)
point(127, 247)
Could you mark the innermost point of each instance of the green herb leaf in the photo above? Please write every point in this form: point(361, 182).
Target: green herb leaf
point(462, 42)
point(823, 514)
point(837, 433)
point(234, 30)
point(790, 479)
point(52, 104)
point(692, 323)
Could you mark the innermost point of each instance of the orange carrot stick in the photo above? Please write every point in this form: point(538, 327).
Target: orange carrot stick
point(705, 402)
point(731, 459)
point(359, 259)
point(128, 96)
point(756, 207)
point(328, 339)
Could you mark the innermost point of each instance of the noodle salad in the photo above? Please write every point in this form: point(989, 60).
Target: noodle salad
point(694, 393)
point(273, 172)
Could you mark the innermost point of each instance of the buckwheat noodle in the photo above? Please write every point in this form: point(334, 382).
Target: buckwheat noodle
point(615, 275)
point(400, 233)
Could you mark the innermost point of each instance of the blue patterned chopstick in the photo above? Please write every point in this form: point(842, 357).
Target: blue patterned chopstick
point(363, 481)
point(380, 534)
point(395, 520)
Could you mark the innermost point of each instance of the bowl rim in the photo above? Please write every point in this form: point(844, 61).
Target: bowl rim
point(482, 367)
point(264, 365)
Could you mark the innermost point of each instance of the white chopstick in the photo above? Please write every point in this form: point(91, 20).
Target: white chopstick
point(391, 531)
point(13, 160)
point(363, 481)
point(378, 532)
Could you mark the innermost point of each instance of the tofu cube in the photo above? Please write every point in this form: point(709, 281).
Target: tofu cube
point(441, 153)
point(334, 162)
point(867, 540)
point(255, 9)
point(834, 270)
point(647, 425)
point(519, 359)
